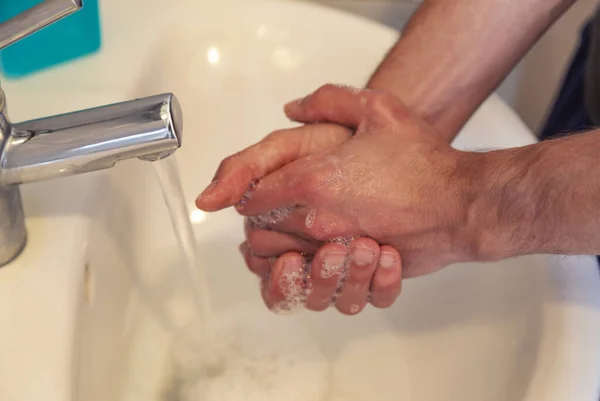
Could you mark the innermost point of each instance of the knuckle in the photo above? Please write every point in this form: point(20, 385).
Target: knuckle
point(386, 105)
point(227, 162)
point(321, 95)
point(325, 89)
point(381, 102)
point(275, 135)
point(240, 163)
point(317, 231)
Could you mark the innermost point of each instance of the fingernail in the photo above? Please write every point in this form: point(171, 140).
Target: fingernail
point(333, 263)
point(209, 189)
point(290, 281)
point(387, 259)
point(363, 256)
point(292, 265)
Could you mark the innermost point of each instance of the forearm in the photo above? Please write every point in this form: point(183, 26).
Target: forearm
point(543, 198)
point(453, 54)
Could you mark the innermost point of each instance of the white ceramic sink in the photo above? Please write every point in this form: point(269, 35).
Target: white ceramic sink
point(523, 329)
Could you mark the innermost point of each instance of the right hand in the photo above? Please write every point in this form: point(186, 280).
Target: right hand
point(396, 180)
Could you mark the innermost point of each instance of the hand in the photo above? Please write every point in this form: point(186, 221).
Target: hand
point(377, 281)
point(388, 142)
point(236, 173)
point(396, 181)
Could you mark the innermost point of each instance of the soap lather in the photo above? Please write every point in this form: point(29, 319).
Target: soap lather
point(74, 36)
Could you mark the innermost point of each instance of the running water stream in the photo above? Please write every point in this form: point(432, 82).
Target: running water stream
point(247, 352)
point(244, 353)
point(197, 326)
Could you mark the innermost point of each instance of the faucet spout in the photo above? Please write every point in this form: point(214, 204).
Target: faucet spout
point(73, 143)
point(89, 140)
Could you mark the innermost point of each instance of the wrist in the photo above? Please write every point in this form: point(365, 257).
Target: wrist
point(501, 203)
point(425, 102)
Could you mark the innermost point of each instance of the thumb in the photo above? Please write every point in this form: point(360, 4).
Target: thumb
point(237, 173)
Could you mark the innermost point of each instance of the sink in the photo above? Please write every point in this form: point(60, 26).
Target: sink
point(520, 329)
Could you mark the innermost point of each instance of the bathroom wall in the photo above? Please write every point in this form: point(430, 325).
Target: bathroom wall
point(531, 86)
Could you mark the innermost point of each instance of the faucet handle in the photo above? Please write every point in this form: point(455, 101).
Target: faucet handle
point(36, 18)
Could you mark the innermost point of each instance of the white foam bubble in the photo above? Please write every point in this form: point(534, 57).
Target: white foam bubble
point(272, 217)
point(352, 89)
point(332, 159)
point(291, 284)
point(346, 241)
point(330, 269)
point(341, 270)
point(310, 218)
point(267, 359)
point(296, 286)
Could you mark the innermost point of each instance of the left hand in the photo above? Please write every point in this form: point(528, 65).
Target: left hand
point(378, 282)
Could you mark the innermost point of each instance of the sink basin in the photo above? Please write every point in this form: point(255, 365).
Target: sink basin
point(521, 329)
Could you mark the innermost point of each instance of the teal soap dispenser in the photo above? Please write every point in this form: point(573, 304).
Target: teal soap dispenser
point(71, 37)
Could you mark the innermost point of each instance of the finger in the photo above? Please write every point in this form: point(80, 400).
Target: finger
point(364, 254)
point(237, 173)
point(267, 243)
point(387, 281)
point(290, 223)
point(331, 103)
point(328, 267)
point(276, 195)
point(286, 287)
point(306, 227)
point(257, 265)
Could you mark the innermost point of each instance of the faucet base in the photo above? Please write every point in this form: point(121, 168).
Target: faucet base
point(13, 235)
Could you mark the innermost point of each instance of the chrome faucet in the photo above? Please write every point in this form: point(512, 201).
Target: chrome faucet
point(73, 143)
